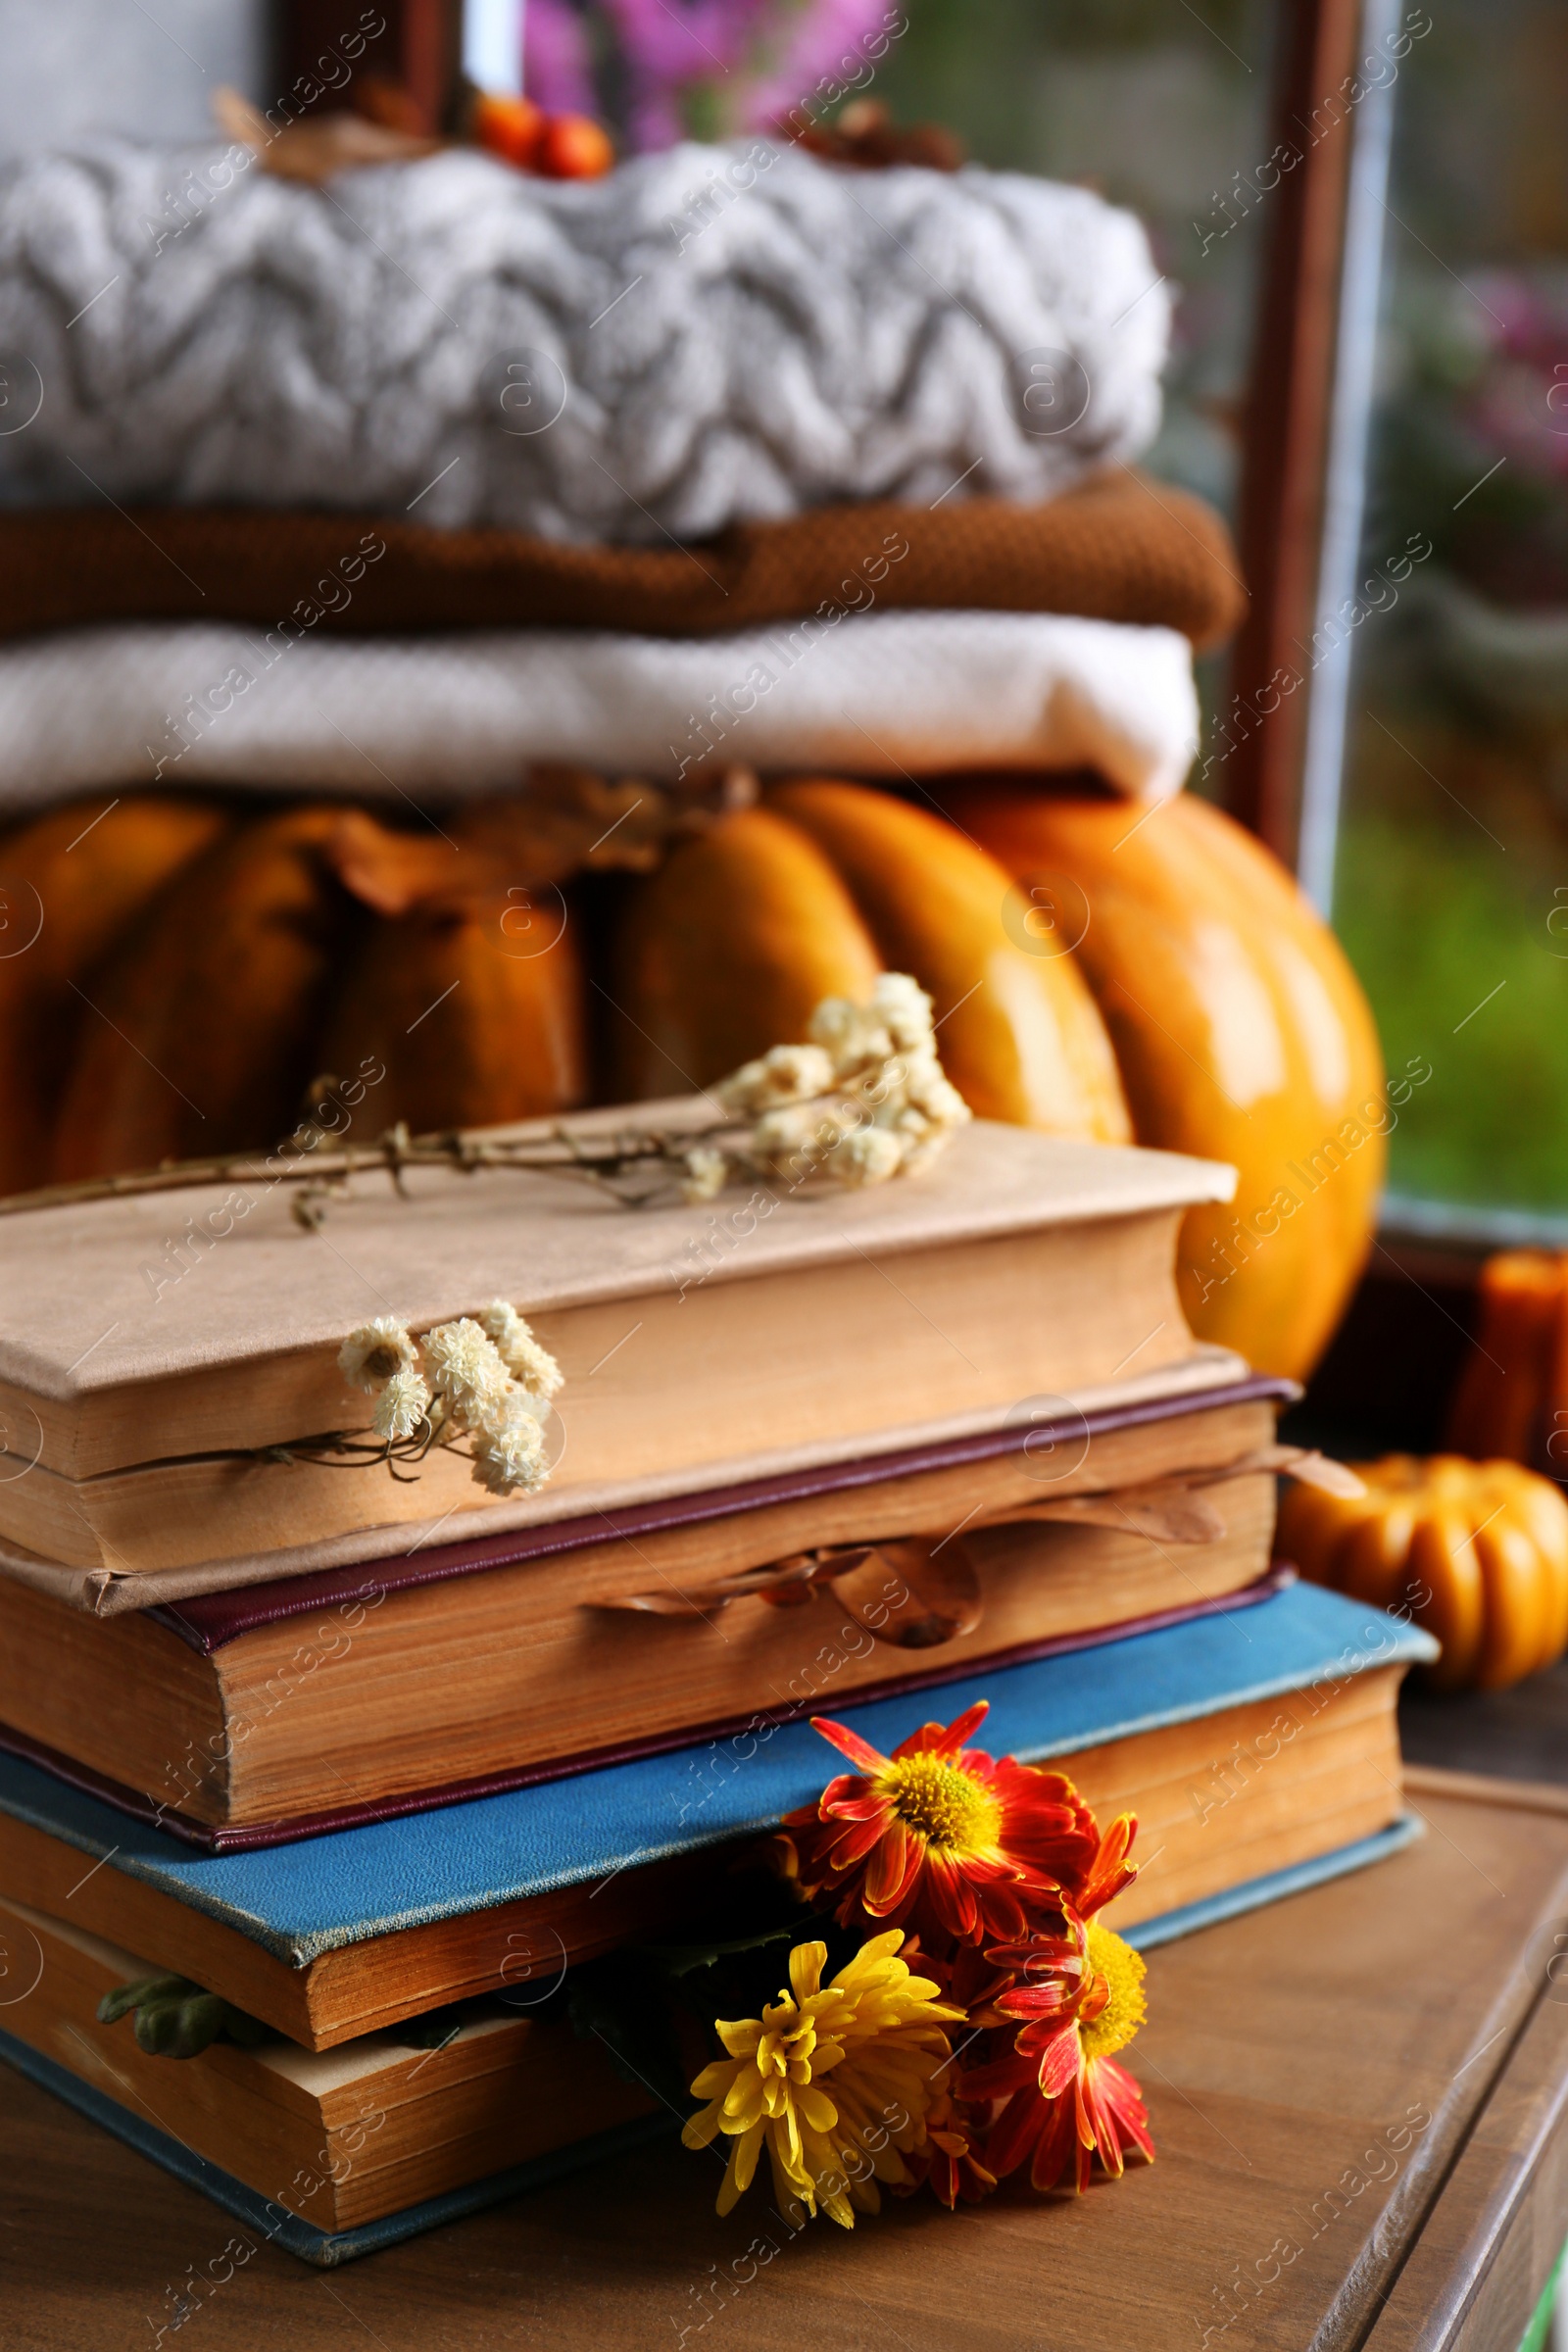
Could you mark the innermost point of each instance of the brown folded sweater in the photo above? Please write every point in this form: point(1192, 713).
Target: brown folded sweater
point(1119, 548)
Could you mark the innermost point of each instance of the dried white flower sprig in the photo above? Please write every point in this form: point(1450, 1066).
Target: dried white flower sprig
point(487, 1380)
point(863, 1099)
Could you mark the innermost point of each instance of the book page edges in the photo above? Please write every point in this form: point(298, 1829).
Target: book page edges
point(106, 1590)
point(1322, 1651)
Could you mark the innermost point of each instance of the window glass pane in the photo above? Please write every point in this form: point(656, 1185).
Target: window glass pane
point(1451, 882)
point(1157, 107)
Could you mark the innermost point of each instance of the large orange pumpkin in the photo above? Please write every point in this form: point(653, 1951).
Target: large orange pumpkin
point(1241, 1032)
point(1096, 971)
point(725, 951)
point(729, 947)
point(211, 1004)
point(1020, 1037)
point(465, 985)
point(71, 885)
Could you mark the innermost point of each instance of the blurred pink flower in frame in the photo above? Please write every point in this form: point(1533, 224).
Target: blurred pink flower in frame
point(556, 64)
point(825, 41)
point(1521, 388)
point(703, 68)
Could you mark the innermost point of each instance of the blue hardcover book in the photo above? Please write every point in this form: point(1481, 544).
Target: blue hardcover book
point(269, 2220)
point(1251, 1741)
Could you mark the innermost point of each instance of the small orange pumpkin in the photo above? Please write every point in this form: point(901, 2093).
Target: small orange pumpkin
point(1476, 1553)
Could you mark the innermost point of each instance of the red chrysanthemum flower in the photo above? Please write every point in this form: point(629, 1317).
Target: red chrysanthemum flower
point(951, 2159)
point(1077, 1998)
point(950, 1842)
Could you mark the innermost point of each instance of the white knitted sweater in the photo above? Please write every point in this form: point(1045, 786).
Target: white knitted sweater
point(724, 332)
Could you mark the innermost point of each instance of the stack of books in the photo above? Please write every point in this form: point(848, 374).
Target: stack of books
point(382, 1762)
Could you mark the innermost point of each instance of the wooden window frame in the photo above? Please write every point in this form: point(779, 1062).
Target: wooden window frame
point(418, 48)
point(1288, 423)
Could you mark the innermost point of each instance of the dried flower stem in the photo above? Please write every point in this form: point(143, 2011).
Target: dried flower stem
point(338, 1449)
point(563, 1153)
point(864, 1099)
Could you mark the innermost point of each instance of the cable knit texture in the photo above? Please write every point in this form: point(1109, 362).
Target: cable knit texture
point(725, 352)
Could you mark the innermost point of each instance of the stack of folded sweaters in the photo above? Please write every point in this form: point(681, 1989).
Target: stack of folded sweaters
point(395, 485)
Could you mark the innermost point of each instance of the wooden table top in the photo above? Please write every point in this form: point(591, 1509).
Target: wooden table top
point(1359, 2098)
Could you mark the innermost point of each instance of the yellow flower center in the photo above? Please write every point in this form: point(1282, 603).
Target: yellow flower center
point(1125, 2011)
point(949, 1808)
point(789, 2038)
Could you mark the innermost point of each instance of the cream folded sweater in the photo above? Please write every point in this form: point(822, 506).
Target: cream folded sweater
point(876, 695)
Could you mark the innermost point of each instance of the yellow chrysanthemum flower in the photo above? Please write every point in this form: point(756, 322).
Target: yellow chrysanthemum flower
point(838, 2079)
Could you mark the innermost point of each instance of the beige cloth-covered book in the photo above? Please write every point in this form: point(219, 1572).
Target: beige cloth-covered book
point(154, 1348)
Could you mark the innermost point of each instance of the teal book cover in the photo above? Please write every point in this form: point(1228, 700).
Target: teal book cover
point(315, 1896)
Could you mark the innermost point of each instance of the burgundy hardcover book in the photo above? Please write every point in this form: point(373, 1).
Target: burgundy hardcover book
point(214, 1838)
point(1047, 1442)
point(287, 1708)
